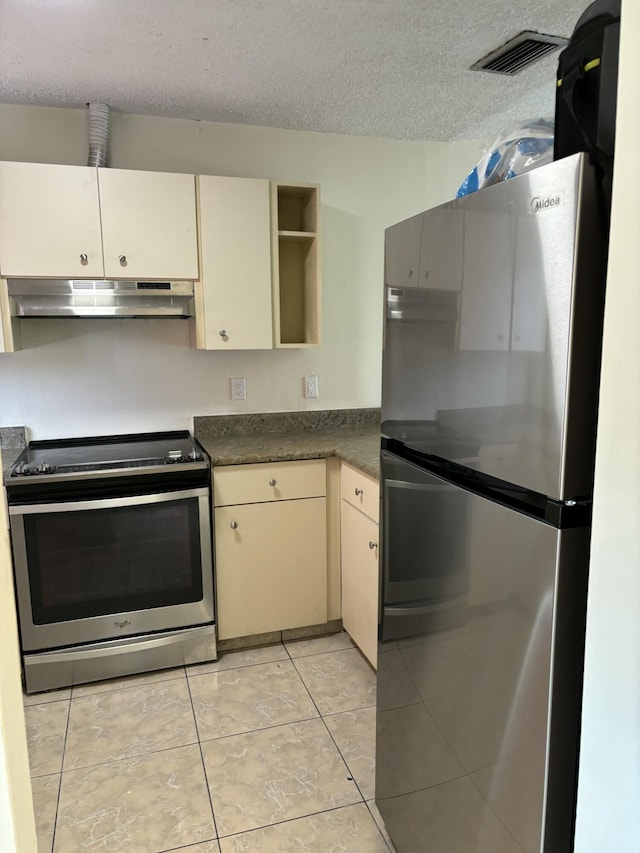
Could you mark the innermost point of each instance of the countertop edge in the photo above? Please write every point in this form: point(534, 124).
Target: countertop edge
point(359, 451)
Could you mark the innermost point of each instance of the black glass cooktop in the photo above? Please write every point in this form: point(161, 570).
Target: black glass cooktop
point(107, 453)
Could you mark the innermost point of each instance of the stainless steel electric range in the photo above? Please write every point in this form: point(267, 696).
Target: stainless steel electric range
point(112, 549)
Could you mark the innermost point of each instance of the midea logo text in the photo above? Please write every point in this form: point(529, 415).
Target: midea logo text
point(538, 203)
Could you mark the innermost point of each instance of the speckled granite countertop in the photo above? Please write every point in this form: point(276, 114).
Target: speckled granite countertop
point(351, 435)
point(12, 443)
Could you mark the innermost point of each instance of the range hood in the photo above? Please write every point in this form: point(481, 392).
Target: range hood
point(100, 299)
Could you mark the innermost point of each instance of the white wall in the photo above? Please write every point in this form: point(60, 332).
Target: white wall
point(609, 781)
point(17, 825)
point(90, 376)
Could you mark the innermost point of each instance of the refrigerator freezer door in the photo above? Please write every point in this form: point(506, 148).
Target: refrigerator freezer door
point(509, 360)
point(465, 725)
point(422, 561)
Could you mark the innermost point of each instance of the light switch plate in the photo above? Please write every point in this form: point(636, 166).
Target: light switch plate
point(238, 388)
point(310, 386)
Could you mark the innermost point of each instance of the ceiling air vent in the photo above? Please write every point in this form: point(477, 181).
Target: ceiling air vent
point(519, 52)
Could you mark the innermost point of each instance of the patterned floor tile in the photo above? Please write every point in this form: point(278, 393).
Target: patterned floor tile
point(319, 645)
point(139, 805)
point(29, 699)
point(276, 774)
point(128, 681)
point(349, 830)
point(46, 731)
point(338, 681)
point(355, 734)
point(240, 657)
point(254, 697)
point(123, 723)
point(45, 805)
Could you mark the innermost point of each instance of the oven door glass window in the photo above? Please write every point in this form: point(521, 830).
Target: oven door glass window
point(91, 562)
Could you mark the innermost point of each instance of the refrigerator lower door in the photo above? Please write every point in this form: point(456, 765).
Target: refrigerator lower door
point(479, 699)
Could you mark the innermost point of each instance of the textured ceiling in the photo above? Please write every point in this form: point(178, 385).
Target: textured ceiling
point(394, 68)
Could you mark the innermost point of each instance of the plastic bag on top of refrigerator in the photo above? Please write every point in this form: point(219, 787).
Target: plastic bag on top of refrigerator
point(517, 150)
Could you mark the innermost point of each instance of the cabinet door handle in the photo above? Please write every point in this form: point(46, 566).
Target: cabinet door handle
point(272, 482)
point(223, 334)
point(359, 492)
point(123, 260)
point(373, 545)
point(84, 259)
point(234, 525)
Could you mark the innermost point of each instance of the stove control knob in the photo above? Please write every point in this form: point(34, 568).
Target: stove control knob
point(194, 456)
point(174, 455)
point(44, 468)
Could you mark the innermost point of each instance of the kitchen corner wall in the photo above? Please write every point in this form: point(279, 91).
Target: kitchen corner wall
point(87, 377)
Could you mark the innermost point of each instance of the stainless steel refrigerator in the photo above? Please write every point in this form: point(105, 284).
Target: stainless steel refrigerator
point(492, 346)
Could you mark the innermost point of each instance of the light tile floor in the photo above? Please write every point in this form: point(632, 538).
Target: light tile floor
point(268, 749)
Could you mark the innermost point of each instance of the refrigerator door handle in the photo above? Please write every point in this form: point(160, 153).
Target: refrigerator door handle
point(442, 486)
point(424, 610)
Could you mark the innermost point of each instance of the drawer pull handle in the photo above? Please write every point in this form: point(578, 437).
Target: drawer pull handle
point(223, 334)
point(373, 545)
point(123, 260)
point(84, 259)
point(272, 482)
point(234, 525)
point(359, 492)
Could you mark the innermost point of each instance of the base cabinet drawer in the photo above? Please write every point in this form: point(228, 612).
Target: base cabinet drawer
point(269, 481)
point(271, 566)
point(360, 491)
point(359, 559)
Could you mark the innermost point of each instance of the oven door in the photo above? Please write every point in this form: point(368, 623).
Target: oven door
point(100, 569)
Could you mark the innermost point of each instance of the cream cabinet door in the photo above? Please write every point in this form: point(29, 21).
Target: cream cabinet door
point(487, 282)
point(271, 566)
point(441, 249)
point(359, 553)
point(148, 225)
point(402, 253)
point(9, 330)
point(235, 250)
point(49, 221)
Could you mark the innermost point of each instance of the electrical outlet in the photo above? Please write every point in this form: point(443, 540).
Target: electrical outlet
point(310, 386)
point(238, 388)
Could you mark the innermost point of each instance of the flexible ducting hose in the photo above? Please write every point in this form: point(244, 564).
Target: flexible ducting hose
point(98, 134)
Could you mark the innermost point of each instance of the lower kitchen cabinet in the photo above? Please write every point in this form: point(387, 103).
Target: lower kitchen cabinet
point(360, 580)
point(359, 559)
point(271, 553)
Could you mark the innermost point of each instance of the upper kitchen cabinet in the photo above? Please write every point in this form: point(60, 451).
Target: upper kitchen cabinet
point(10, 340)
point(402, 253)
point(296, 275)
point(441, 249)
point(234, 219)
point(49, 221)
point(148, 225)
point(485, 313)
point(82, 222)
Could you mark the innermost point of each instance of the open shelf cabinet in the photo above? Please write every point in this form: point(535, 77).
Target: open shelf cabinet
point(296, 275)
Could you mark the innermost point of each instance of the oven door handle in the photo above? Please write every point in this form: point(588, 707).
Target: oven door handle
point(108, 503)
